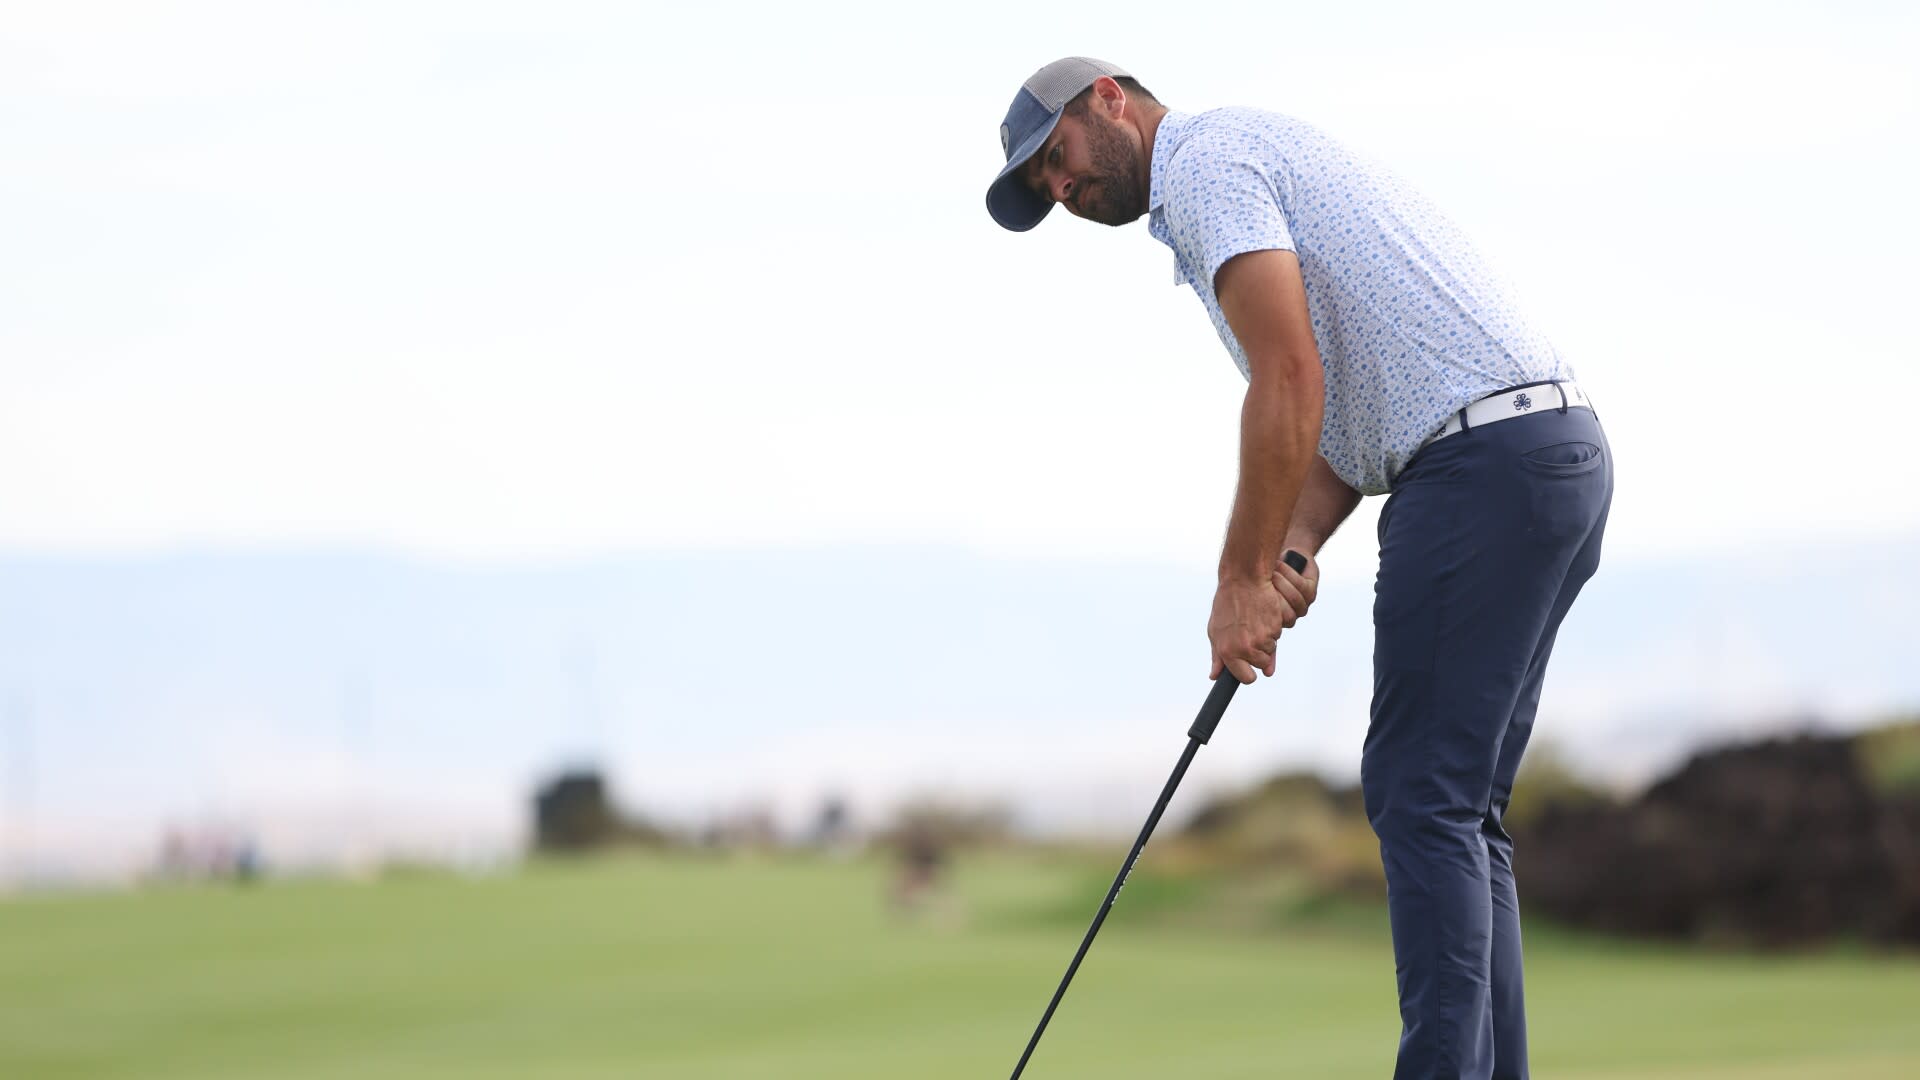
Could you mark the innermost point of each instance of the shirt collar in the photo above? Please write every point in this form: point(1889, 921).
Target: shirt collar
point(1166, 139)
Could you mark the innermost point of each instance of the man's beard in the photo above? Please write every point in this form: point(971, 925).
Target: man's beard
point(1114, 170)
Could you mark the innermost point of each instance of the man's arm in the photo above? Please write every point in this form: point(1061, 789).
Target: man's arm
point(1265, 303)
point(1324, 503)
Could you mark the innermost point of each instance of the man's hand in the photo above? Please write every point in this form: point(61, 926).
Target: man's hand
point(1246, 623)
point(1248, 617)
point(1297, 587)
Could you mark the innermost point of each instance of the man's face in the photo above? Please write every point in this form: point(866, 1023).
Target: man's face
point(1091, 165)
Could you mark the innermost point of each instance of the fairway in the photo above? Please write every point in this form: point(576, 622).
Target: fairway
point(742, 969)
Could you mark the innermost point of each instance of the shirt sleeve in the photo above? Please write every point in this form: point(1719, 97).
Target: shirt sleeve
point(1223, 200)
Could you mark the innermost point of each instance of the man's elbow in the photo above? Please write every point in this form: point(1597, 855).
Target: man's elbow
point(1289, 373)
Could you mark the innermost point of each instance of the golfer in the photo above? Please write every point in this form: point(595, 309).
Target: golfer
point(1382, 356)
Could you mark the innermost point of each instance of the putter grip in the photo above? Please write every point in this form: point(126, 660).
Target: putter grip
point(1214, 708)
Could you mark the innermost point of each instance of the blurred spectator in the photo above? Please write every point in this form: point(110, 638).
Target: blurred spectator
point(832, 829)
point(921, 855)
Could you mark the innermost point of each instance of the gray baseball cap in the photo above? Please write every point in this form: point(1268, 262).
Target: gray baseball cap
point(1030, 119)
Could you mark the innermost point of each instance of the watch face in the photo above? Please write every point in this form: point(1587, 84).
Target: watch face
point(1006, 140)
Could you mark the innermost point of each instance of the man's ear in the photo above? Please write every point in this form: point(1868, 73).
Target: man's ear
point(1113, 100)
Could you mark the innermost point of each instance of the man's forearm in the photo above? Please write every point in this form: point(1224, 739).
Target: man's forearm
point(1279, 433)
point(1325, 501)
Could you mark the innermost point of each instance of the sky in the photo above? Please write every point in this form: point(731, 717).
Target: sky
point(518, 282)
point(521, 286)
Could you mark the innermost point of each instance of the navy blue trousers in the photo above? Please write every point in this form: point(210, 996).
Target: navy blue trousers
point(1485, 541)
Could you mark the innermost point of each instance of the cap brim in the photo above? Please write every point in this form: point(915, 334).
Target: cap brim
point(1011, 202)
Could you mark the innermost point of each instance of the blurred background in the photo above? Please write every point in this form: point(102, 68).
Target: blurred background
point(561, 541)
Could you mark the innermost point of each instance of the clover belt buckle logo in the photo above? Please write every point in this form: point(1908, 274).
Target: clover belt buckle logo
point(1522, 402)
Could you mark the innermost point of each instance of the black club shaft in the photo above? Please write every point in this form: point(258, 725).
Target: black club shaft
point(1202, 730)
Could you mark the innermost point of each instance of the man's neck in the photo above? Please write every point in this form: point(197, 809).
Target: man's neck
point(1149, 129)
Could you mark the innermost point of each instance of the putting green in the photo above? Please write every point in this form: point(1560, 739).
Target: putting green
point(747, 969)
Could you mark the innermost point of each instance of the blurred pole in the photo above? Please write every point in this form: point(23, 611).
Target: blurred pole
point(587, 711)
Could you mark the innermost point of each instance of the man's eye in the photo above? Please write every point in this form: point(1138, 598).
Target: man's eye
point(1054, 157)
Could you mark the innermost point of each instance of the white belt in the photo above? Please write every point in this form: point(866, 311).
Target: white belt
point(1517, 401)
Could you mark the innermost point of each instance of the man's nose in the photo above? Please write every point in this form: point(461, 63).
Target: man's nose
point(1062, 188)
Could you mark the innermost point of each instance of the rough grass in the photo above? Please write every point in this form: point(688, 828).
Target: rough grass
point(708, 969)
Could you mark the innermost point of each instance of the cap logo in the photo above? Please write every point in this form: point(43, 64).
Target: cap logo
point(1006, 140)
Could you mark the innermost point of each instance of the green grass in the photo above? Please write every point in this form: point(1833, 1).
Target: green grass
point(702, 970)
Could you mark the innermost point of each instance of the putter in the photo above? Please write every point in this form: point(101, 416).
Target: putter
point(1197, 736)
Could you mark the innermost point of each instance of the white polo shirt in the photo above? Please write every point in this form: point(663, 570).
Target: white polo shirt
point(1411, 323)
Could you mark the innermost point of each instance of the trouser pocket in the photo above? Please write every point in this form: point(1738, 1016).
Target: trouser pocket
point(1566, 485)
